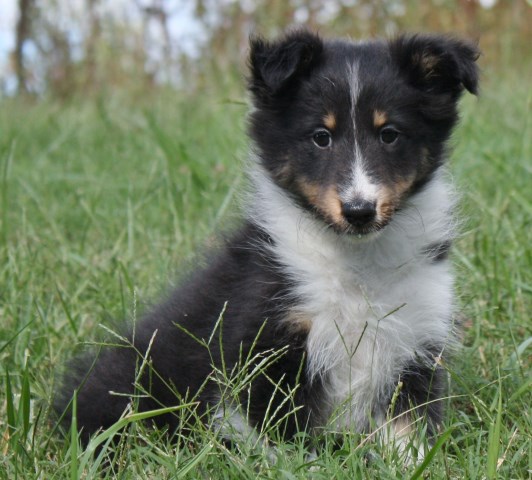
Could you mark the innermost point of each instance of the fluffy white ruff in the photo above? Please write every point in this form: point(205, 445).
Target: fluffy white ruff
point(373, 303)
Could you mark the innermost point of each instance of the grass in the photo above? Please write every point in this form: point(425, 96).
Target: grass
point(101, 202)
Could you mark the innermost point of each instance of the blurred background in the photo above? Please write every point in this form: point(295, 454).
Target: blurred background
point(62, 48)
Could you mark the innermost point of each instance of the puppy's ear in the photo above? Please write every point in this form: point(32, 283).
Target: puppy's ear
point(436, 63)
point(276, 66)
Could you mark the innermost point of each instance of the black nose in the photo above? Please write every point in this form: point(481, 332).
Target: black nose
point(359, 213)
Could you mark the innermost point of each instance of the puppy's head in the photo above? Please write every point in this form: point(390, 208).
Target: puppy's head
point(351, 130)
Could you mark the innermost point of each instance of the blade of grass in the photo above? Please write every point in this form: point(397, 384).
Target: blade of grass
point(194, 461)
point(17, 333)
point(494, 438)
point(25, 405)
point(5, 192)
point(10, 408)
point(107, 435)
point(71, 321)
point(74, 435)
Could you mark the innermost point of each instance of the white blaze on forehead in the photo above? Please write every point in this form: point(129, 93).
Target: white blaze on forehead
point(354, 85)
point(360, 186)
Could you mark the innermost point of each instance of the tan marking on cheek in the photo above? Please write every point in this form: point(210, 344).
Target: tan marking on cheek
point(331, 205)
point(385, 210)
point(389, 198)
point(326, 201)
point(379, 118)
point(403, 185)
point(310, 190)
point(386, 204)
point(330, 121)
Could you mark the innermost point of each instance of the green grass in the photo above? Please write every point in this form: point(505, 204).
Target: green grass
point(102, 202)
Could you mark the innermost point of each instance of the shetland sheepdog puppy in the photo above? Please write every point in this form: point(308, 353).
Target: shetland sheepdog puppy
point(336, 294)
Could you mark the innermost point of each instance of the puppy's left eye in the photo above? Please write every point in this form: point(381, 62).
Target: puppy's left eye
point(322, 138)
point(389, 135)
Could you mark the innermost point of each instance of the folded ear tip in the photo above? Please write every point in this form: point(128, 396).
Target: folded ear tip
point(297, 35)
point(274, 64)
point(468, 53)
point(470, 80)
point(437, 61)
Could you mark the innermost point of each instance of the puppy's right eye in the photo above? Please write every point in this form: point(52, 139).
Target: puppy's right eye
point(389, 135)
point(322, 139)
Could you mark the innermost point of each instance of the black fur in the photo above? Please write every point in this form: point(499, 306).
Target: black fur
point(243, 284)
point(276, 67)
point(439, 251)
point(295, 82)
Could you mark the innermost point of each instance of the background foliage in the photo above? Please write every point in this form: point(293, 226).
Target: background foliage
point(65, 48)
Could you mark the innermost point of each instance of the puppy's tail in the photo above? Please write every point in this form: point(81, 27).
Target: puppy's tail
point(104, 385)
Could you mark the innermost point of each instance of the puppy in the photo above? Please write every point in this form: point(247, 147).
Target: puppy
point(336, 294)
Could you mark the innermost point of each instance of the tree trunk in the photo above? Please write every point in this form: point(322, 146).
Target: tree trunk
point(23, 32)
point(91, 45)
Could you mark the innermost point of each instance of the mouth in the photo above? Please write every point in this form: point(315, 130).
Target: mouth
point(367, 231)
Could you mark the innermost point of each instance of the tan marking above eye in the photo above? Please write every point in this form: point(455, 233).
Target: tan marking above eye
point(379, 118)
point(329, 121)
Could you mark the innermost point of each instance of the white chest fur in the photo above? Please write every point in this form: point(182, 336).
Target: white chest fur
point(373, 303)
